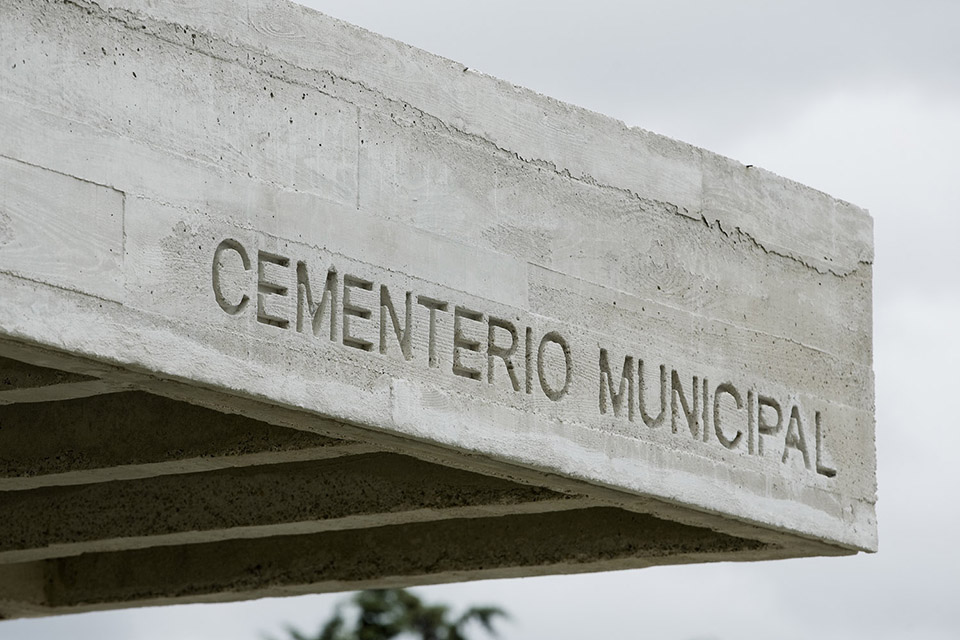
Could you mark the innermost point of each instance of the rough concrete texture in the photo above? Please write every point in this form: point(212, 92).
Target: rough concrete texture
point(365, 317)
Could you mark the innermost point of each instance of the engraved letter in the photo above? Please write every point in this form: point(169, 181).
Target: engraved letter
point(352, 310)
point(795, 438)
point(606, 385)
point(706, 411)
point(404, 338)
point(764, 428)
point(691, 413)
point(528, 359)
point(460, 342)
point(305, 306)
point(557, 339)
point(433, 306)
point(266, 288)
point(822, 469)
point(495, 351)
point(233, 245)
point(647, 420)
point(731, 391)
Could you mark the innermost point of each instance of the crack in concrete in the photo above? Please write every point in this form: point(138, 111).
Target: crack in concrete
point(739, 234)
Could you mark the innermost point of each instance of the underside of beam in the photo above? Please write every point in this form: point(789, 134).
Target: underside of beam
point(268, 500)
point(135, 435)
point(22, 382)
point(130, 498)
point(419, 553)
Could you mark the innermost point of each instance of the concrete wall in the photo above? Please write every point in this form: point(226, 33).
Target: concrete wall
point(275, 214)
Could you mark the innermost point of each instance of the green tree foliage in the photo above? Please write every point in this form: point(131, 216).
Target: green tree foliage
point(382, 614)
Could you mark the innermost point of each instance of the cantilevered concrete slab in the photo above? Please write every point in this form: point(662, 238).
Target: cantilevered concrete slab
point(286, 307)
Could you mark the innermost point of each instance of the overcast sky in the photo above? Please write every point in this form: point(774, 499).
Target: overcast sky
point(858, 99)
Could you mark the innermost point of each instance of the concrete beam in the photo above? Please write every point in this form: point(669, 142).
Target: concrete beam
point(307, 497)
point(201, 206)
point(290, 173)
point(132, 435)
point(421, 553)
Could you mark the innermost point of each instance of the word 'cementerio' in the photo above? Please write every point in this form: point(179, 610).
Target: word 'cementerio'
point(331, 309)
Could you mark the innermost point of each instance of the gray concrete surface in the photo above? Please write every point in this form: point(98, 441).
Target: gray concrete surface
point(505, 334)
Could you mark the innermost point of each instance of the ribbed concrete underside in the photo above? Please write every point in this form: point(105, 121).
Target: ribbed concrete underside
point(126, 498)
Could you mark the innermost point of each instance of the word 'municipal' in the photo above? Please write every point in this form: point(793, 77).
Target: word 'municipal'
point(331, 309)
point(761, 416)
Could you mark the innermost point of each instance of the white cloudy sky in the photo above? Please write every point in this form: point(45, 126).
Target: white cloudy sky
point(860, 99)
